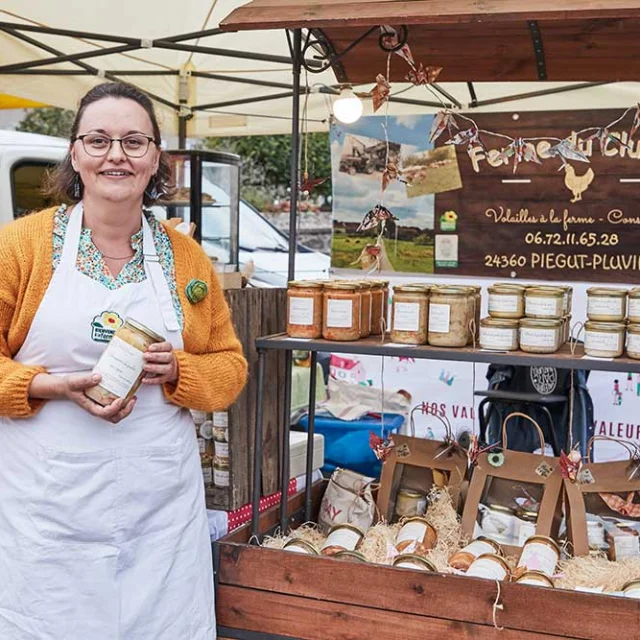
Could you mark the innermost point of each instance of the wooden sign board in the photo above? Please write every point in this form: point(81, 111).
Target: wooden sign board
point(544, 221)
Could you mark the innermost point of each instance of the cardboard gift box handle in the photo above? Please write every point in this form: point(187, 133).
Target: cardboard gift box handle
point(629, 446)
point(517, 414)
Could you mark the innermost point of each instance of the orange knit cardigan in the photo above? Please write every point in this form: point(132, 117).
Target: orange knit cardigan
point(212, 369)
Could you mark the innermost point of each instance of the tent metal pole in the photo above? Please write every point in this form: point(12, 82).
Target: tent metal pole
point(182, 132)
point(541, 93)
point(89, 72)
point(259, 83)
point(70, 33)
point(195, 35)
point(231, 103)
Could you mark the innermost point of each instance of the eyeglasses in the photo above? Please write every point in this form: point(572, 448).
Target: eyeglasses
point(97, 144)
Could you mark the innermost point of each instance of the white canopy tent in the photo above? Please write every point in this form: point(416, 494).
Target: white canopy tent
point(231, 83)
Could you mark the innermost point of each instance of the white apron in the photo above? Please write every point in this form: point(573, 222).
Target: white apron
point(103, 532)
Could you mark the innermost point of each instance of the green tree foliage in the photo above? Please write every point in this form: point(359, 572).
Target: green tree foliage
point(48, 121)
point(266, 164)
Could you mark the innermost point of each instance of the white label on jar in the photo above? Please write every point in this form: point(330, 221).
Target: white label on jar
point(634, 307)
point(605, 306)
point(633, 342)
point(222, 449)
point(504, 303)
point(119, 365)
point(545, 307)
point(601, 341)
point(595, 534)
point(525, 531)
point(220, 419)
point(202, 445)
point(487, 568)
point(439, 318)
point(530, 337)
point(198, 416)
point(207, 475)
point(498, 338)
point(537, 556)
point(626, 546)
point(301, 311)
point(342, 537)
point(415, 530)
point(221, 477)
point(340, 313)
point(406, 316)
point(478, 548)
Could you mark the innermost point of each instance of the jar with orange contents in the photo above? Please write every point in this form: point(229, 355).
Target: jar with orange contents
point(304, 309)
point(341, 314)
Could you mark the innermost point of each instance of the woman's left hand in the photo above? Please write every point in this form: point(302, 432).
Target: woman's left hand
point(160, 364)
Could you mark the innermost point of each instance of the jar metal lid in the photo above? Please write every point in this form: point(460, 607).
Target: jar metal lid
point(306, 284)
point(527, 514)
point(540, 323)
point(499, 323)
point(347, 525)
point(342, 284)
point(350, 555)
point(381, 283)
point(366, 284)
point(411, 288)
point(506, 290)
point(304, 544)
point(496, 545)
point(536, 575)
point(550, 542)
point(607, 327)
point(145, 330)
point(410, 493)
point(635, 292)
point(511, 285)
point(633, 328)
point(495, 558)
point(544, 292)
point(632, 584)
point(451, 291)
point(607, 292)
point(415, 559)
point(417, 519)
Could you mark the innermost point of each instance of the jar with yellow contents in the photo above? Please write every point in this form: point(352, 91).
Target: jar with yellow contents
point(341, 312)
point(450, 315)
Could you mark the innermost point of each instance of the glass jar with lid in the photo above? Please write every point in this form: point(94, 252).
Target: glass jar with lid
point(497, 334)
point(450, 315)
point(506, 301)
point(366, 298)
point(633, 341)
point(544, 302)
point(341, 311)
point(605, 304)
point(304, 309)
point(538, 335)
point(604, 339)
point(409, 314)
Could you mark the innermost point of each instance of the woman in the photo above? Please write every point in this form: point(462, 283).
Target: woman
point(102, 516)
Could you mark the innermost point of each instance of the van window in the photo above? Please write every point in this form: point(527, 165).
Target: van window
point(27, 178)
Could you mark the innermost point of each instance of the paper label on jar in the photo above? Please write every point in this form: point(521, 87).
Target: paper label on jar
point(198, 416)
point(439, 318)
point(412, 531)
point(634, 307)
point(605, 306)
point(221, 419)
point(601, 341)
point(301, 311)
point(221, 449)
point(340, 314)
point(207, 475)
point(343, 537)
point(497, 338)
point(633, 342)
point(530, 337)
point(537, 556)
point(221, 477)
point(120, 365)
point(503, 303)
point(202, 445)
point(406, 316)
point(487, 568)
point(546, 307)
point(525, 531)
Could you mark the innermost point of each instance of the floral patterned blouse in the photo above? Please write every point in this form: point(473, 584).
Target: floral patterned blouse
point(91, 263)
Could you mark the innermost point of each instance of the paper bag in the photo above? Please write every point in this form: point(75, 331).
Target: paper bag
point(347, 499)
point(501, 477)
point(419, 464)
point(604, 489)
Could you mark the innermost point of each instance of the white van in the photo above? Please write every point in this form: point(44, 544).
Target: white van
point(25, 157)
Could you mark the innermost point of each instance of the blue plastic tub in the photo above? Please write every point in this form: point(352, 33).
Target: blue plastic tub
point(346, 444)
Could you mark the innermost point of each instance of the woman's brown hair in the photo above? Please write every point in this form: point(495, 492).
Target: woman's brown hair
point(65, 184)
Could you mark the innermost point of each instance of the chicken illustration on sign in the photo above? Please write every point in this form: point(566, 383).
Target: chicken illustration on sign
point(577, 184)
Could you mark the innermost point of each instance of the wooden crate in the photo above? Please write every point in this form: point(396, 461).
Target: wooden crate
point(284, 595)
point(255, 312)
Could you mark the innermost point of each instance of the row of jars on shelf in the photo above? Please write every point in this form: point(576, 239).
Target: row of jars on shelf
point(508, 301)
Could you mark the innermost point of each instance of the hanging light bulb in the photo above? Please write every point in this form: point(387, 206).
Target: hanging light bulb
point(347, 107)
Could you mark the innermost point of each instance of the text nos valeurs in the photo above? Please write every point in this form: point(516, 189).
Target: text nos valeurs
point(457, 411)
point(617, 430)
